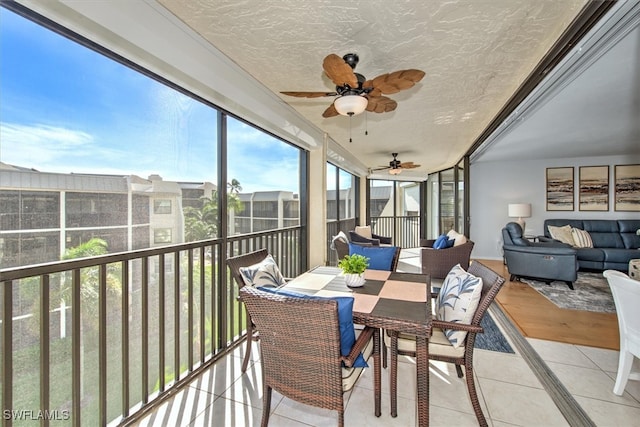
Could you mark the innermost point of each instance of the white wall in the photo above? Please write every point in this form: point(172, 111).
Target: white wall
point(493, 185)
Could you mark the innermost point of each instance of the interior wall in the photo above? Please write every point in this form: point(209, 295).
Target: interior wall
point(493, 185)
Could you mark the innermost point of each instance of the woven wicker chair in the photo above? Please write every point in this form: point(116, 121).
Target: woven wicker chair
point(440, 349)
point(301, 358)
point(438, 262)
point(235, 263)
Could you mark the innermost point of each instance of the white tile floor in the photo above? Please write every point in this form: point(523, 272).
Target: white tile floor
point(510, 394)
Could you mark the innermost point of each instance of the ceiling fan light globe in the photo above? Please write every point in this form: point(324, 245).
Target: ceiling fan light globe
point(350, 105)
point(395, 171)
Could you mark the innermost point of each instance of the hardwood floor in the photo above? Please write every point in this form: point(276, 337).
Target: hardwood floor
point(537, 317)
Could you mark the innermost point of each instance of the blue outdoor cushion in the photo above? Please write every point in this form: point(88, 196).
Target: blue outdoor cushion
point(449, 243)
point(345, 318)
point(440, 242)
point(380, 257)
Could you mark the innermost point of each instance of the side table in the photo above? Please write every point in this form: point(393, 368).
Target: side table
point(634, 269)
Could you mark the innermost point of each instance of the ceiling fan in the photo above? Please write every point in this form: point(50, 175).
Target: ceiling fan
point(396, 166)
point(354, 93)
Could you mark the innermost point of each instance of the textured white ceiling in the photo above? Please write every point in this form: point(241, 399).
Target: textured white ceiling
point(475, 54)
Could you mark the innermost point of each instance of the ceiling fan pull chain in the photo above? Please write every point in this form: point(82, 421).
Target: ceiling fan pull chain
point(366, 124)
point(350, 115)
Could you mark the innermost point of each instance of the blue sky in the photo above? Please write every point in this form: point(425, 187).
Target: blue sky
point(65, 108)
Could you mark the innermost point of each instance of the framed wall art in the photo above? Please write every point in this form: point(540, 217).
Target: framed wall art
point(627, 188)
point(594, 188)
point(560, 189)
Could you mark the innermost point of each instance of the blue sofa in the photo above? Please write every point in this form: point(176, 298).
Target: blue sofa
point(615, 242)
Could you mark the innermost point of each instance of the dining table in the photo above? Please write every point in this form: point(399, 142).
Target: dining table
point(392, 301)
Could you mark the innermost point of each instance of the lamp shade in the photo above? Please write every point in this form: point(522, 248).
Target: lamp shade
point(395, 171)
point(520, 210)
point(350, 105)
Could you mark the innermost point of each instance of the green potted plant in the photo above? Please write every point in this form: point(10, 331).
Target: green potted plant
point(353, 267)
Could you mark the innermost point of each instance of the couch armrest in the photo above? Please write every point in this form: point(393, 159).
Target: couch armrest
point(548, 239)
point(541, 250)
point(552, 244)
point(383, 239)
point(427, 243)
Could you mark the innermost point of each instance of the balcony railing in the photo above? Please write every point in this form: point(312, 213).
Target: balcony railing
point(404, 230)
point(102, 340)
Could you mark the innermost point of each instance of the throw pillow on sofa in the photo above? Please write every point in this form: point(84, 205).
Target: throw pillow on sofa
point(562, 233)
point(581, 238)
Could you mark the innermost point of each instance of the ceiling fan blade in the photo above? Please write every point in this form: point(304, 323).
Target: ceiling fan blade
point(408, 165)
point(339, 71)
point(372, 91)
point(309, 94)
point(381, 104)
point(379, 169)
point(398, 80)
point(330, 111)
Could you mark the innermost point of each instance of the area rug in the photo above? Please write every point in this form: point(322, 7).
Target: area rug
point(591, 293)
point(492, 338)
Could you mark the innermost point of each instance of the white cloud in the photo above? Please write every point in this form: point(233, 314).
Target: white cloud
point(57, 149)
point(37, 145)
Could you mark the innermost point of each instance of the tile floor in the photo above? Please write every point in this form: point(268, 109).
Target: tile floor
point(510, 393)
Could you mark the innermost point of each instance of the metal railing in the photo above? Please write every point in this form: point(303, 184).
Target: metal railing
point(108, 338)
point(404, 231)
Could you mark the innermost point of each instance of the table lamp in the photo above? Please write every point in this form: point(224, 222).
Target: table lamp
point(520, 210)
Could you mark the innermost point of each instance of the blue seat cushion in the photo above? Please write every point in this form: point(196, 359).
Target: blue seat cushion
point(345, 318)
point(380, 257)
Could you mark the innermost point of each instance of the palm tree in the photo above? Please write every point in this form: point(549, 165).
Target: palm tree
point(202, 223)
point(234, 186)
point(89, 279)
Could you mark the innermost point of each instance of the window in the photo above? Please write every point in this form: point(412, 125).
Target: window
point(162, 207)
point(25, 210)
point(96, 209)
point(261, 192)
point(265, 209)
point(342, 204)
point(108, 139)
point(140, 210)
point(162, 235)
point(394, 209)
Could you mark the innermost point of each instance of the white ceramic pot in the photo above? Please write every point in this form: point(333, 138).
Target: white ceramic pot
point(354, 280)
